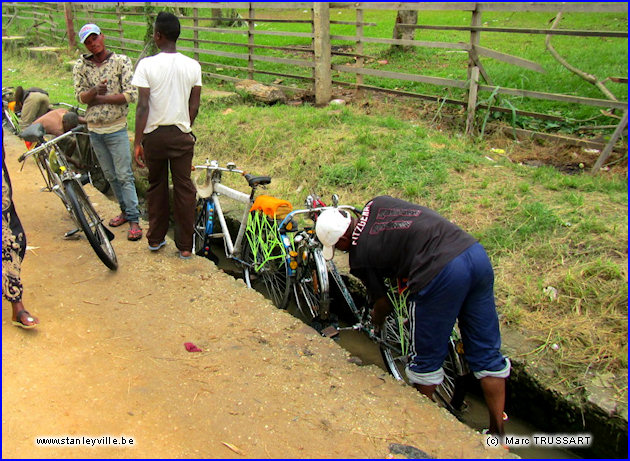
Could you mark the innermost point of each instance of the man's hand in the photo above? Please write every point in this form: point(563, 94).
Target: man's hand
point(382, 307)
point(138, 155)
point(101, 88)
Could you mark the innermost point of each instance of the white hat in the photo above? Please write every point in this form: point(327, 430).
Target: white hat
point(330, 227)
point(88, 30)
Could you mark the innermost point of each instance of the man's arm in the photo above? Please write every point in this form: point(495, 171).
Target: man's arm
point(376, 288)
point(142, 114)
point(193, 103)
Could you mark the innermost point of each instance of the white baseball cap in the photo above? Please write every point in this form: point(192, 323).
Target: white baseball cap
point(330, 227)
point(88, 30)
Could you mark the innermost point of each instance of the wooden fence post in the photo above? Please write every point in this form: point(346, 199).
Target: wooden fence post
point(609, 147)
point(323, 84)
point(196, 32)
point(472, 100)
point(359, 49)
point(121, 32)
point(72, 41)
point(474, 37)
point(250, 42)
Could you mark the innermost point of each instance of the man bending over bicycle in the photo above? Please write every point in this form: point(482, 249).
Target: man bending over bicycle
point(450, 277)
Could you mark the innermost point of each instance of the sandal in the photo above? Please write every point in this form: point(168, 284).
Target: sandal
point(118, 221)
point(18, 320)
point(135, 233)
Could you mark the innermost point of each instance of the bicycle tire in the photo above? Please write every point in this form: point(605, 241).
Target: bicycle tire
point(313, 286)
point(264, 259)
point(91, 224)
point(452, 391)
point(201, 219)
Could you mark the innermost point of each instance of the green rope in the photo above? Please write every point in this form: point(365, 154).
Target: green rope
point(399, 301)
point(264, 240)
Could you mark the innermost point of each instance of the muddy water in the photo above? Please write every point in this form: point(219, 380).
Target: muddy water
point(475, 416)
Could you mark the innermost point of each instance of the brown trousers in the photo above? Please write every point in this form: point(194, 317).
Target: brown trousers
point(169, 146)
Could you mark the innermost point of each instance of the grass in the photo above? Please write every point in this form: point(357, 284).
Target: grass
point(541, 227)
point(601, 56)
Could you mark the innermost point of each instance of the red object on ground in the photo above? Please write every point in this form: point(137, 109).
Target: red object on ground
point(190, 347)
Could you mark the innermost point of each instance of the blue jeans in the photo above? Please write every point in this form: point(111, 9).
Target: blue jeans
point(463, 290)
point(114, 154)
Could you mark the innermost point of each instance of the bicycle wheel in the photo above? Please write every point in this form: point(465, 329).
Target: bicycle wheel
point(91, 224)
point(201, 220)
point(265, 259)
point(396, 341)
point(312, 287)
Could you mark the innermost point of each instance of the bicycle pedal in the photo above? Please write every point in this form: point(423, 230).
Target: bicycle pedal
point(330, 331)
point(72, 235)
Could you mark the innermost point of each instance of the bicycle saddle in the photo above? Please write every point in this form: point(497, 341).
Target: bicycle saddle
point(257, 180)
point(33, 133)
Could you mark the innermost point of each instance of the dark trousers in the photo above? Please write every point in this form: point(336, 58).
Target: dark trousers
point(168, 147)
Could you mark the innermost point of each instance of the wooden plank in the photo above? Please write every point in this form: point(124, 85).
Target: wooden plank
point(558, 97)
point(245, 57)
point(409, 94)
point(237, 5)
point(613, 140)
point(555, 7)
point(392, 41)
point(400, 76)
point(521, 133)
point(420, 6)
point(245, 69)
point(521, 30)
point(549, 7)
point(515, 60)
point(355, 23)
point(267, 47)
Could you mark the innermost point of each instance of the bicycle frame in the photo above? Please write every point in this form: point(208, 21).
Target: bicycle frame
point(214, 189)
point(68, 186)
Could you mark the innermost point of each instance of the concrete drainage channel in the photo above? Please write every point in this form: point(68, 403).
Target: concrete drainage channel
point(532, 408)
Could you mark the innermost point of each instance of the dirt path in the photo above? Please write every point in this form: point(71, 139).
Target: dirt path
point(109, 360)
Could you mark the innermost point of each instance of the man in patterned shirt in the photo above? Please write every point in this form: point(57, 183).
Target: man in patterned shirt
point(102, 80)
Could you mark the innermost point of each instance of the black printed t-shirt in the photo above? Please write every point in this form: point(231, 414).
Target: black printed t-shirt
point(395, 238)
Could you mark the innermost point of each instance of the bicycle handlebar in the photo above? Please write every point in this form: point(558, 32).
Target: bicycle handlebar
point(214, 166)
point(252, 180)
point(45, 145)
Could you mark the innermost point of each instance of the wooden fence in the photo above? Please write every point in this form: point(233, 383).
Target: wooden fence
point(325, 53)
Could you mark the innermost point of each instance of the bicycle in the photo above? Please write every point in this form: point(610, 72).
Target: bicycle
point(10, 119)
point(287, 257)
point(394, 338)
point(61, 179)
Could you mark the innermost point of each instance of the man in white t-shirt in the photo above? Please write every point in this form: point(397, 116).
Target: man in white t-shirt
point(169, 90)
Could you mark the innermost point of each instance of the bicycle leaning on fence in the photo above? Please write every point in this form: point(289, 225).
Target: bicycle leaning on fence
point(67, 184)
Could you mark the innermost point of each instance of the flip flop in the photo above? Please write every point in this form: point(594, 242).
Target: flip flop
point(158, 246)
point(181, 256)
point(18, 322)
point(134, 234)
point(118, 221)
